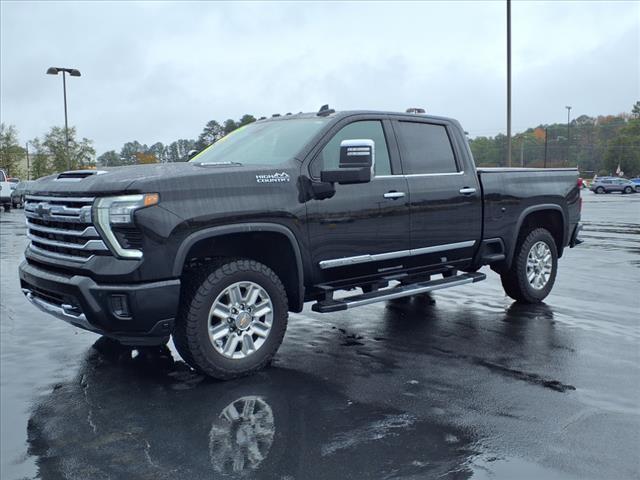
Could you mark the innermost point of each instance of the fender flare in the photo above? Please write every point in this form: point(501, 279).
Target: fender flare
point(523, 215)
point(222, 230)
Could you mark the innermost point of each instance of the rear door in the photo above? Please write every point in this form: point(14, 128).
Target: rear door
point(364, 228)
point(446, 203)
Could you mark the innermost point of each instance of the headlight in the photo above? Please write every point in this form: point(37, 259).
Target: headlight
point(118, 211)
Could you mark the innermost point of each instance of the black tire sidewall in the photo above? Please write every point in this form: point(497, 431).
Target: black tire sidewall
point(529, 293)
point(211, 291)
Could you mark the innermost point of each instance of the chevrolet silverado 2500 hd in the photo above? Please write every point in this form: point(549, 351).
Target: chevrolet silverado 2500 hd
point(218, 250)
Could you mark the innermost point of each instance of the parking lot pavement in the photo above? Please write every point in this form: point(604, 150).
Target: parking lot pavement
point(461, 384)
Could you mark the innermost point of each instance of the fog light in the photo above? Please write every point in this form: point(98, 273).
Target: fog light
point(120, 307)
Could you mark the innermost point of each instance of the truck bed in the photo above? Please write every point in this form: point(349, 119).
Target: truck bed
point(510, 193)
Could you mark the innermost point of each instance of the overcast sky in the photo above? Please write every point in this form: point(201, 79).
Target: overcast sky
point(159, 71)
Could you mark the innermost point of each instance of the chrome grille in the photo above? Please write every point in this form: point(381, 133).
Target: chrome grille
point(62, 228)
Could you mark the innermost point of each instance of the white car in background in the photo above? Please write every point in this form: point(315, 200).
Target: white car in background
point(5, 191)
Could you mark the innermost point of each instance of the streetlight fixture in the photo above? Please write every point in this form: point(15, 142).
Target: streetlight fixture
point(568, 107)
point(74, 73)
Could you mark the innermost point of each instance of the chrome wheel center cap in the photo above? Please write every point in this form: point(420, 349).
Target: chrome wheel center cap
point(243, 320)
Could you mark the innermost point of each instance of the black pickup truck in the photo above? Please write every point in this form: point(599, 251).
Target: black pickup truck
point(218, 250)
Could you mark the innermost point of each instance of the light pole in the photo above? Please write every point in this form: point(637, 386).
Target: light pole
point(568, 107)
point(74, 73)
point(509, 83)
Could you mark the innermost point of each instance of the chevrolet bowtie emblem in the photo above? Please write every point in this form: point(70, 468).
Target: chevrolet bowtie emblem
point(43, 209)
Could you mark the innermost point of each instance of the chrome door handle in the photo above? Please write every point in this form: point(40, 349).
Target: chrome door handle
point(467, 190)
point(394, 195)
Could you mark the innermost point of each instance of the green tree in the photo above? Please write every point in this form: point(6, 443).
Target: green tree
point(178, 151)
point(10, 150)
point(157, 150)
point(40, 161)
point(211, 133)
point(246, 120)
point(129, 151)
point(109, 159)
point(624, 149)
point(79, 154)
point(229, 126)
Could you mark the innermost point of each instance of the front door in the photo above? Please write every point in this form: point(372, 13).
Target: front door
point(364, 228)
point(446, 203)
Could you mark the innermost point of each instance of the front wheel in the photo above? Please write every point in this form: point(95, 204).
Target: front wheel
point(533, 270)
point(232, 318)
point(628, 190)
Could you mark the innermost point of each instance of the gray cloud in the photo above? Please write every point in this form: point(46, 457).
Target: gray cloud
point(158, 71)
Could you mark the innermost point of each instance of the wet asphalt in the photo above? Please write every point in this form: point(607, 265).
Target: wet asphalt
point(461, 384)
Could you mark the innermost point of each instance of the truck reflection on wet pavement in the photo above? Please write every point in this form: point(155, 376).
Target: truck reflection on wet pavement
point(461, 384)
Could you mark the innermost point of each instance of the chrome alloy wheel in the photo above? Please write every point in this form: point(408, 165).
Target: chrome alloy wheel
point(539, 265)
point(240, 320)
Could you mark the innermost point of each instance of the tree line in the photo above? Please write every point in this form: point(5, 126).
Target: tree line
point(597, 145)
point(134, 152)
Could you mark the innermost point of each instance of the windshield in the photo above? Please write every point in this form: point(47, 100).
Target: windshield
point(268, 143)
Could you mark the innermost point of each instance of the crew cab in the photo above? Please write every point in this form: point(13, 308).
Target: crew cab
point(216, 251)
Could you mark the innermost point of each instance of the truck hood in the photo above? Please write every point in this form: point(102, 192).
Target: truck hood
point(134, 178)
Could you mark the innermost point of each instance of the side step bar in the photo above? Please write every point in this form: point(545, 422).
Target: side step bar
point(328, 306)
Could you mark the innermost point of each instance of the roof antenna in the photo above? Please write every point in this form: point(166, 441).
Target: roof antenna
point(325, 111)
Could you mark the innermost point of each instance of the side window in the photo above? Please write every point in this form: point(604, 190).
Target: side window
point(329, 157)
point(425, 148)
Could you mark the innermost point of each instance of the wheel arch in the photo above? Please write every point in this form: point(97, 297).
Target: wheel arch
point(550, 216)
point(232, 238)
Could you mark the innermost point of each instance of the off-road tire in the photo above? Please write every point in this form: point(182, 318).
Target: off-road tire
point(200, 288)
point(514, 280)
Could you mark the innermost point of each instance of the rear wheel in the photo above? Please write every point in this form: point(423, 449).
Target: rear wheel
point(600, 190)
point(533, 270)
point(232, 318)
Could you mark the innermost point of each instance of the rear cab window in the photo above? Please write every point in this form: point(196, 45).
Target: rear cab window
point(425, 148)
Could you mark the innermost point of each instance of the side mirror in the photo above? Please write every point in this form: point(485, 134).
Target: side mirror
point(192, 153)
point(357, 159)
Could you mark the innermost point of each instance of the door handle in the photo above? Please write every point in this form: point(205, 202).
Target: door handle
point(394, 195)
point(467, 190)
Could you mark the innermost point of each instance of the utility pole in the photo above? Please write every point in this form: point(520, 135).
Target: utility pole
point(509, 83)
point(546, 135)
point(522, 152)
point(568, 107)
point(26, 144)
point(74, 73)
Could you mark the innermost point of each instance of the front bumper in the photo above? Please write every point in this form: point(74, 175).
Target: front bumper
point(147, 320)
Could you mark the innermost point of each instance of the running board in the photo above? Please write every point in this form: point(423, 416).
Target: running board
point(328, 306)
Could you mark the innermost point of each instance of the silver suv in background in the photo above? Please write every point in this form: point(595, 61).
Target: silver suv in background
point(613, 184)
